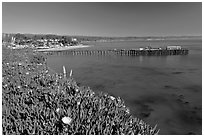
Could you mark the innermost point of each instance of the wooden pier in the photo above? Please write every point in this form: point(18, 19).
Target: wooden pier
point(122, 52)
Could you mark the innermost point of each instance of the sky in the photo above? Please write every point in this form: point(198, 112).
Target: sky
point(116, 19)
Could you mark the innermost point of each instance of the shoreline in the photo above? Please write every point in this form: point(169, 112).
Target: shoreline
point(65, 48)
point(27, 82)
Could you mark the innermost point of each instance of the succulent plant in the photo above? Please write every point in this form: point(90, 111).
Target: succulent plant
point(35, 102)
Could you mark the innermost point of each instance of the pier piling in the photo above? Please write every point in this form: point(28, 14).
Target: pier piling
point(122, 52)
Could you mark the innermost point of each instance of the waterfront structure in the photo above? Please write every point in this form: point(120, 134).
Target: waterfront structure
point(141, 48)
point(122, 52)
point(173, 47)
point(74, 39)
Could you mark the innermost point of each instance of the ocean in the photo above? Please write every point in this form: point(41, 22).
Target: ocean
point(162, 90)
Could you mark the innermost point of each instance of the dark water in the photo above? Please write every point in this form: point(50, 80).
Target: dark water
point(162, 90)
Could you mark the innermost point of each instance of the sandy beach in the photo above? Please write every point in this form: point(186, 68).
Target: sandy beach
point(65, 48)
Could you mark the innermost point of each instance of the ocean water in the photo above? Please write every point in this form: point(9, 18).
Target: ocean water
point(162, 90)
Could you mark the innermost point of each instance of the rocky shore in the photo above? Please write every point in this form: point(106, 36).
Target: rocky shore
point(36, 101)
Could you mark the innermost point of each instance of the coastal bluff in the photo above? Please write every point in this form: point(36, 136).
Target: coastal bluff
point(36, 101)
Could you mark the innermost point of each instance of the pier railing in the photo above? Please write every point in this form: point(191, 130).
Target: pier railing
point(122, 52)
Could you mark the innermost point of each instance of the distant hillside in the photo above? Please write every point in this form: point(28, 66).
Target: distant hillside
point(7, 37)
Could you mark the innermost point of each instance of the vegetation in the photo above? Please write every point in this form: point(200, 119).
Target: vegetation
point(34, 101)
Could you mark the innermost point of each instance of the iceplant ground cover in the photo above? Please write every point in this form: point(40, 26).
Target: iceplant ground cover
point(34, 101)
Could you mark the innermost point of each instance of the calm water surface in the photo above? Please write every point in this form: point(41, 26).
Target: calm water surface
point(162, 90)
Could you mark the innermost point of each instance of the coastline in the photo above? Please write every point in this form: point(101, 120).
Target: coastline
point(65, 48)
point(27, 82)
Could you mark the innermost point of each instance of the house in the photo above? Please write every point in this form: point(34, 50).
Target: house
point(74, 39)
point(141, 48)
point(61, 45)
point(173, 47)
point(148, 47)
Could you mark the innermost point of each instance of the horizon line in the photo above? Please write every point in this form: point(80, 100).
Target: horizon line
point(105, 36)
